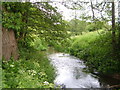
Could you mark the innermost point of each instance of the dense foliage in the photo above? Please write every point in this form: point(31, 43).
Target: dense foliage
point(96, 50)
point(78, 27)
point(33, 19)
point(32, 70)
point(36, 26)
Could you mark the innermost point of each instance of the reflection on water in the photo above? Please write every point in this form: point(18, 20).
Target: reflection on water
point(70, 73)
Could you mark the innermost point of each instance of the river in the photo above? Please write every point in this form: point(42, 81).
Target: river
point(70, 73)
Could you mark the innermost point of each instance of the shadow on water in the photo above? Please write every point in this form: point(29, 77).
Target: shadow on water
point(70, 74)
point(106, 80)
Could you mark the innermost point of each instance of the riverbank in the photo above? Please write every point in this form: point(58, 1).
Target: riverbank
point(66, 64)
point(95, 50)
point(32, 70)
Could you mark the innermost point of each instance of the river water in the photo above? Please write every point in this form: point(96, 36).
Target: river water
point(70, 74)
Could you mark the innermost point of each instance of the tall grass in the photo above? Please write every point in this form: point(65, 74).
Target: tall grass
point(96, 50)
point(32, 70)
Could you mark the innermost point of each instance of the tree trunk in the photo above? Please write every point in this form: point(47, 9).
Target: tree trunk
point(92, 10)
point(118, 24)
point(9, 44)
point(113, 30)
point(0, 32)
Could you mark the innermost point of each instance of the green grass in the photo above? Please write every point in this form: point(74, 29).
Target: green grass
point(32, 70)
point(96, 51)
point(0, 77)
point(85, 39)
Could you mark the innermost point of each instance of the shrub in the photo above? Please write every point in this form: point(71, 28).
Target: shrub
point(33, 72)
point(96, 50)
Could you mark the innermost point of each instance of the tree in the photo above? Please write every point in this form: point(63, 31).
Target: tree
point(30, 20)
point(77, 26)
point(0, 31)
point(113, 30)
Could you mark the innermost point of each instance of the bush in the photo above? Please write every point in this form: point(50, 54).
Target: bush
point(96, 50)
point(39, 44)
point(31, 71)
point(62, 46)
point(96, 26)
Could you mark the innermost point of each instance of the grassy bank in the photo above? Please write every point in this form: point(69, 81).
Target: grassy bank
point(32, 70)
point(96, 50)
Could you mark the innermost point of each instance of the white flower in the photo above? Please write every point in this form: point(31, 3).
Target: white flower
point(33, 71)
point(46, 83)
point(11, 65)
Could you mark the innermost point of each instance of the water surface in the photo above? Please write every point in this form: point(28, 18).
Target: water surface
point(70, 74)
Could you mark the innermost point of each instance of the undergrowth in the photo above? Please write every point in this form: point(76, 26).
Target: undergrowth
point(32, 70)
point(96, 50)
